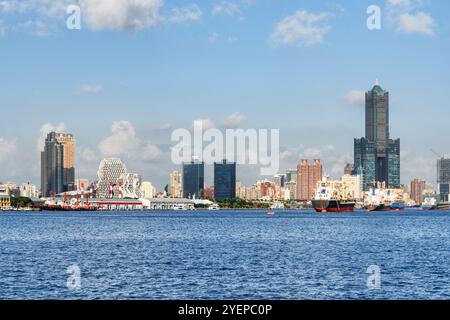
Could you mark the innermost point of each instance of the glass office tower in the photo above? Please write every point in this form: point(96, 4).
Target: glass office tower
point(376, 154)
point(193, 179)
point(224, 180)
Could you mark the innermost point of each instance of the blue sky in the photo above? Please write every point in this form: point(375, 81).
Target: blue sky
point(131, 75)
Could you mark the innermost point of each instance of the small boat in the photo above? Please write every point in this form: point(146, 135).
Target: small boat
point(271, 213)
point(214, 207)
point(277, 205)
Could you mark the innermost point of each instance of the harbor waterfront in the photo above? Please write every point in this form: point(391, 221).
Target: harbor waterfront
point(225, 255)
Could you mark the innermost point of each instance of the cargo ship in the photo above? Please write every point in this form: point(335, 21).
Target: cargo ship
point(430, 203)
point(382, 199)
point(331, 198)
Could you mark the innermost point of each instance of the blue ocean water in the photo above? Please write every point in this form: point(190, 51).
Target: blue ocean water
point(224, 255)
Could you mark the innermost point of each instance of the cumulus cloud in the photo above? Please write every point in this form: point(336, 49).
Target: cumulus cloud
point(405, 17)
point(121, 14)
point(227, 8)
point(151, 153)
point(45, 17)
point(40, 17)
point(302, 29)
point(206, 123)
point(45, 130)
point(191, 12)
point(420, 22)
point(90, 89)
point(8, 148)
point(124, 141)
point(234, 120)
point(354, 98)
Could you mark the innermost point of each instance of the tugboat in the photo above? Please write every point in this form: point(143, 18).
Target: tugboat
point(328, 199)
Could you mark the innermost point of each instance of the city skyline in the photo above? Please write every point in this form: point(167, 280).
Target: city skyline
point(233, 70)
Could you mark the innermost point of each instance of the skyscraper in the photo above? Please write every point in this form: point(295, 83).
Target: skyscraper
point(307, 178)
point(376, 154)
point(443, 175)
point(193, 179)
point(349, 168)
point(224, 180)
point(175, 184)
point(417, 189)
point(58, 164)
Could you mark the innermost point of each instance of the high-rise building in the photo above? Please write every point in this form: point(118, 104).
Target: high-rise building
point(224, 180)
point(280, 180)
point(193, 179)
point(116, 182)
point(208, 193)
point(291, 187)
point(175, 184)
point(443, 175)
point(148, 190)
point(58, 164)
point(291, 175)
point(307, 177)
point(417, 188)
point(376, 154)
point(349, 168)
point(28, 190)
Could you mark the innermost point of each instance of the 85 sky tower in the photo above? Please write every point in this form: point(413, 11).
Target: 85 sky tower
point(377, 154)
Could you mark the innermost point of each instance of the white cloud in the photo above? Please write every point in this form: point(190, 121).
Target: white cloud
point(227, 8)
point(206, 123)
point(404, 17)
point(121, 14)
point(420, 22)
point(213, 37)
point(86, 154)
point(41, 16)
point(234, 120)
point(188, 13)
point(303, 29)
point(399, 3)
point(44, 17)
point(8, 148)
point(354, 98)
point(122, 141)
point(151, 153)
point(45, 130)
point(90, 89)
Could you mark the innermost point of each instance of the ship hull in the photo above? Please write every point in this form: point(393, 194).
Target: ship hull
point(438, 207)
point(323, 206)
point(380, 207)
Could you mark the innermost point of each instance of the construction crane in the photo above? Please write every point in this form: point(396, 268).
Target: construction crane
point(436, 153)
